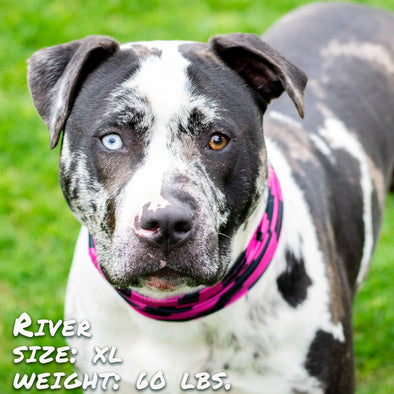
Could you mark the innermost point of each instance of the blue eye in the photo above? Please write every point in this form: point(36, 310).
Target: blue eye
point(112, 141)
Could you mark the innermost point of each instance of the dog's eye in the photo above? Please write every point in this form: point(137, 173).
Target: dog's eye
point(218, 141)
point(112, 141)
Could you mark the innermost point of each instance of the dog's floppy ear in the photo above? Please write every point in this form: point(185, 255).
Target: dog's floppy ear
point(55, 75)
point(262, 67)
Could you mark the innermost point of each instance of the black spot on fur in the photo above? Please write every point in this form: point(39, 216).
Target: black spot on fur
point(294, 282)
point(66, 182)
point(296, 391)
point(195, 121)
point(75, 193)
point(331, 361)
point(110, 220)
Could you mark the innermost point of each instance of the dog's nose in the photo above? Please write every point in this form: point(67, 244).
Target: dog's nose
point(167, 226)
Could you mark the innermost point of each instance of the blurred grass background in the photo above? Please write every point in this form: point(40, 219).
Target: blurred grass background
point(37, 231)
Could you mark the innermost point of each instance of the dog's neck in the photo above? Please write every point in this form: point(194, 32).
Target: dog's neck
point(244, 273)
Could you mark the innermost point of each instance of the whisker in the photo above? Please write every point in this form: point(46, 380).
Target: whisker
point(225, 235)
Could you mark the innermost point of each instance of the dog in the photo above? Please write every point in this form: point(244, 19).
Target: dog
point(219, 251)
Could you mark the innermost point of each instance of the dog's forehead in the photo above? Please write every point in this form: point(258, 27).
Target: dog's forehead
point(161, 84)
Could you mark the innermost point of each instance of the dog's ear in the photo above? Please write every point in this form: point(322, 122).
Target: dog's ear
point(262, 67)
point(55, 75)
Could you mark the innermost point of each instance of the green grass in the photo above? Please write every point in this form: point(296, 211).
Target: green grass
point(374, 317)
point(37, 231)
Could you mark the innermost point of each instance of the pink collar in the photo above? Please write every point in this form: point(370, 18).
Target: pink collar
point(245, 272)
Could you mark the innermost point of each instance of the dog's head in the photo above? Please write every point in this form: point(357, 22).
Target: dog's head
point(163, 155)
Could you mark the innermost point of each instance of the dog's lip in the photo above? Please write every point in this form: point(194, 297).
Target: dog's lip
point(164, 279)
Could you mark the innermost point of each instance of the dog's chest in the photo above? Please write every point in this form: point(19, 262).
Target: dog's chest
point(247, 352)
point(247, 355)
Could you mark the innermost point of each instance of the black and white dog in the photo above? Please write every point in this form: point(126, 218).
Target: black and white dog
point(165, 163)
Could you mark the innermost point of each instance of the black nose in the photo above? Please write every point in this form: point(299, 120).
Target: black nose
point(168, 226)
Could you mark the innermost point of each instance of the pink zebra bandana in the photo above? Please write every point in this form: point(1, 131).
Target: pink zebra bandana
point(245, 272)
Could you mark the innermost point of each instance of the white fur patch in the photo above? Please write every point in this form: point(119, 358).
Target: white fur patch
point(323, 147)
point(366, 51)
point(162, 82)
point(59, 102)
point(66, 154)
point(286, 119)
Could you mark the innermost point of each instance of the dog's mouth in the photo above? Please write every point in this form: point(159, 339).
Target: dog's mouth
point(164, 279)
point(146, 269)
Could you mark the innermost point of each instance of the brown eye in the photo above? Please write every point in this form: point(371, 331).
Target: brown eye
point(218, 141)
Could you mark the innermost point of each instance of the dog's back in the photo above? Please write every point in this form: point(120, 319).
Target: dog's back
point(347, 51)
